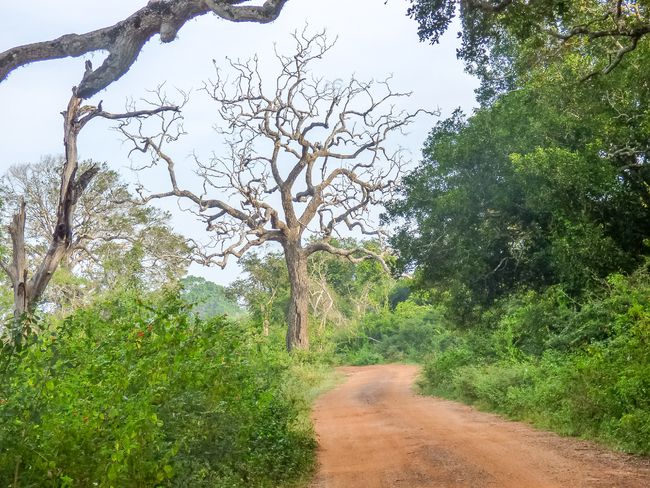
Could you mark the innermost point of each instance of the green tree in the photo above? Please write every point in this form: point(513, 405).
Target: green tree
point(264, 289)
point(529, 192)
point(114, 241)
point(502, 39)
point(208, 299)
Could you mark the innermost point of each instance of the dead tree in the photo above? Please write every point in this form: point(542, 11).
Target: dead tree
point(300, 162)
point(29, 289)
point(125, 39)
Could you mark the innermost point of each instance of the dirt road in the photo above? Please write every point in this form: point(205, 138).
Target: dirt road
point(375, 432)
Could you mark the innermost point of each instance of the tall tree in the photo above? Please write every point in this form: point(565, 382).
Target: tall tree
point(124, 40)
point(302, 161)
point(531, 191)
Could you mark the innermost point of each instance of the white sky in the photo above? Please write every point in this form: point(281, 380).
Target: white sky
point(375, 39)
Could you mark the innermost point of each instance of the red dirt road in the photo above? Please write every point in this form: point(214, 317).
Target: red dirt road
point(374, 432)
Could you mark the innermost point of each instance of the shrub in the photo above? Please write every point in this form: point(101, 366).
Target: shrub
point(135, 392)
point(591, 379)
point(409, 333)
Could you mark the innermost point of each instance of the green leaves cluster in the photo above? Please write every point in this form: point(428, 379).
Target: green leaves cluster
point(504, 40)
point(409, 332)
point(137, 392)
point(548, 185)
point(207, 299)
point(115, 240)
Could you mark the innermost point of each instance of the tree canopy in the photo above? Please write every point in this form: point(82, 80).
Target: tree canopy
point(502, 39)
point(546, 184)
point(208, 300)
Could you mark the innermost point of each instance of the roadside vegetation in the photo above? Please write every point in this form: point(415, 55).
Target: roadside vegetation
point(135, 391)
point(578, 367)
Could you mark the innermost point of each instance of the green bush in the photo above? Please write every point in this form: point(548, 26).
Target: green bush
point(439, 371)
point(134, 393)
point(411, 332)
point(592, 378)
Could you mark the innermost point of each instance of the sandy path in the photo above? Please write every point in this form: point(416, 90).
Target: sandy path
point(374, 432)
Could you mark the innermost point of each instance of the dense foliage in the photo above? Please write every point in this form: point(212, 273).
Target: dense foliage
point(138, 392)
point(502, 40)
point(527, 229)
point(580, 368)
point(529, 193)
point(115, 241)
point(409, 332)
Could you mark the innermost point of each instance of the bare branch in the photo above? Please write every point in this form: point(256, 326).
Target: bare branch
point(349, 254)
point(125, 39)
point(304, 150)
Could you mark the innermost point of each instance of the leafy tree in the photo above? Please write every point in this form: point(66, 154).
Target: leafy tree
point(528, 193)
point(208, 299)
point(347, 290)
point(502, 39)
point(265, 288)
point(113, 241)
point(28, 289)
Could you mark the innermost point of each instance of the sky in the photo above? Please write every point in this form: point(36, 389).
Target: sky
point(374, 39)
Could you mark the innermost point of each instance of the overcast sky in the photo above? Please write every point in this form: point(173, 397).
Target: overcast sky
point(375, 39)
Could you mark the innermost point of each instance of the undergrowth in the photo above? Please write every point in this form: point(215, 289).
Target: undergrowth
point(134, 392)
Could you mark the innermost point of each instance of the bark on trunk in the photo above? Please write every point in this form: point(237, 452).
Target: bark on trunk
point(18, 273)
point(265, 327)
point(297, 315)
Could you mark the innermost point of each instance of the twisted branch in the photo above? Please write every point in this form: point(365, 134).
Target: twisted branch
point(125, 39)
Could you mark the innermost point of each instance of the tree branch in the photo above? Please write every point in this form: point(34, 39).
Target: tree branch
point(347, 253)
point(125, 39)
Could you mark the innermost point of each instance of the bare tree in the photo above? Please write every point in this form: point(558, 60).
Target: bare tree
point(125, 39)
point(28, 290)
point(302, 161)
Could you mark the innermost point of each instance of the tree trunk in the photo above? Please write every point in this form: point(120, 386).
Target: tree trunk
point(297, 315)
point(265, 327)
point(18, 273)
